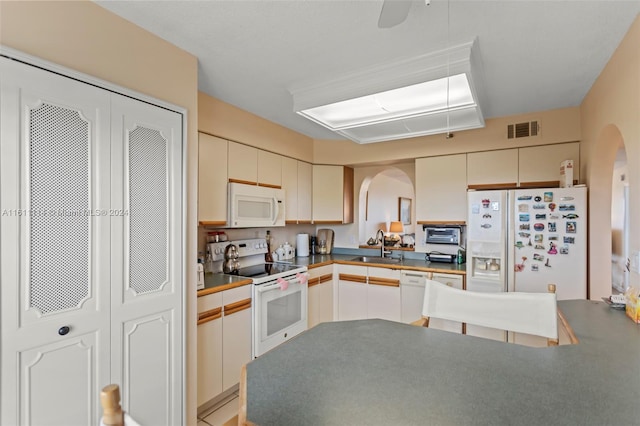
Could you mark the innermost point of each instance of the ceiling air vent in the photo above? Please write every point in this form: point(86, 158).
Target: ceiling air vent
point(523, 130)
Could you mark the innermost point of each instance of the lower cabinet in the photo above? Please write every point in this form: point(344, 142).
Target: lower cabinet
point(320, 295)
point(352, 292)
point(455, 281)
point(224, 340)
point(368, 293)
point(383, 294)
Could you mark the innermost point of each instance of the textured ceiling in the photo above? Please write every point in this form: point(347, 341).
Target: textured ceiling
point(536, 55)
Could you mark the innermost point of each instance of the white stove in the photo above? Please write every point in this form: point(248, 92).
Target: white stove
point(279, 305)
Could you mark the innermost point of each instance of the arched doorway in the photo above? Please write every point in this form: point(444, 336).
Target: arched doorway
point(601, 181)
point(620, 223)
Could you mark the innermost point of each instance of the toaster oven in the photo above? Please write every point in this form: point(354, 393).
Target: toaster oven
point(443, 235)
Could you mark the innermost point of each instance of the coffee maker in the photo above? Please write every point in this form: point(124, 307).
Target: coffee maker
point(324, 241)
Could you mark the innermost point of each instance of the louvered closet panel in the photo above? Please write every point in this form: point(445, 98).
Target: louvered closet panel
point(146, 250)
point(90, 249)
point(54, 171)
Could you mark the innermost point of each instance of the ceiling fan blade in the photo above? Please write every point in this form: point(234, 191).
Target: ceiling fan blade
point(393, 13)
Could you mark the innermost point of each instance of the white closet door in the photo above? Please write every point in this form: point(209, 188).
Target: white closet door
point(54, 176)
point(146, 243)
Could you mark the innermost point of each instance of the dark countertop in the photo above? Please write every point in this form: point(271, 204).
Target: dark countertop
point(214, 283)
point(376, 372)
point(317, 260)
point(219, 282)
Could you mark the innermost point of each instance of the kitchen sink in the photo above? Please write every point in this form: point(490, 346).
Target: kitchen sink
point(375, 259)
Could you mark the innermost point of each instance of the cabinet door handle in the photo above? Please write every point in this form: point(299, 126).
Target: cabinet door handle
point(64, 330)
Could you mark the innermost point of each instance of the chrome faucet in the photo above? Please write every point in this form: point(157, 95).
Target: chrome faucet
point(383, 252)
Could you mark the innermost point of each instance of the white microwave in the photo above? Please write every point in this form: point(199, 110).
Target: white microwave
point(252, 206)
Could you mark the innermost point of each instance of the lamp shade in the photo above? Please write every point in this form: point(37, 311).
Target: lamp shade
point(396, 228)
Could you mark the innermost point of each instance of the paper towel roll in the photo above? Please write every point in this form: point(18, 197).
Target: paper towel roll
point(302, 245)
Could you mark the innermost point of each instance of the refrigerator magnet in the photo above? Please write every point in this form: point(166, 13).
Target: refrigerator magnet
point(538, 226)
point(524, 226)
point(538, 238)
point(519, 244)
point(524, 217)
point(524, 234)
point(539, 206)
point(569, 240)
point(537, 198)
point(570, 216)
point(538, 257)
point(553, 238)
point(564, 249)
point(534, 267)
point(548, 197)
point(539, 247)
point(523, 208)
point(519, 267)
point(541, 216)
point(475, 208)
point(567, 207)
point(485, 203)
point(524, 197)
point(552, 206)
point(547, 264)
point(552, 248)
point(551, 227)
point(571, 227)
point(554, 216)
point(495, 206)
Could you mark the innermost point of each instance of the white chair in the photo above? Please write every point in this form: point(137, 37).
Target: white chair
point(531, 313)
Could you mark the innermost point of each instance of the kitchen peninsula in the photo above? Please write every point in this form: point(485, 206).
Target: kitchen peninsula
point(381, 372)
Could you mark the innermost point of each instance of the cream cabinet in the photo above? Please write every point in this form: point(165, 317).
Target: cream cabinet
point(212, 180)
point(540, 165)
point(269, 169)
point(383, 294)
point(254, 166)
point(224, 340)
point(332, 194)
point(352, 292)
point(320, 307)
point(242, 163)
point(236, 334)
point(441, 189)
point(455, 281)
point(495, 168)
point(209, 347)
point(368, 292)
point(296, 181)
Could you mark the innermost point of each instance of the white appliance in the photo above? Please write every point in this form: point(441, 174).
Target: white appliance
point(522, 240)
point(279, 294)
point(252, 206)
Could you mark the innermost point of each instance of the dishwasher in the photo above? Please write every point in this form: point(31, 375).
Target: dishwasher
point(412, 294)
point(412, 285)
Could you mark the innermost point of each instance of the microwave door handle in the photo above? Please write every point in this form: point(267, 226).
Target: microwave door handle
point(276, 210)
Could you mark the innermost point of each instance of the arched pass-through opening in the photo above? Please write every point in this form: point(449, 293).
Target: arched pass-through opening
point(379, 201)
point(601, 234)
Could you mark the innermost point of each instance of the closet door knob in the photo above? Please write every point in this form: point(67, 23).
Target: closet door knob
point(63, 330)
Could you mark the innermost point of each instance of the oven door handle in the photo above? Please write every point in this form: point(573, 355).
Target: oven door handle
point(275, 286)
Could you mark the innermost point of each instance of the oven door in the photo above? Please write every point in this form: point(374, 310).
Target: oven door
point(279, 314)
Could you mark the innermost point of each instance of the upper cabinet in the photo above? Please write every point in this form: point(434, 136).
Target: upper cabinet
point(269, 169)
point(441, 189)
point(254, 166)
point(494, 168)
point(296, 181)
point(539, 166)
point(243, 163)
point(212, 180)
point(332, 194)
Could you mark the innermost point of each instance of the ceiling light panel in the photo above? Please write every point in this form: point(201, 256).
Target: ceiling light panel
point(411, 97)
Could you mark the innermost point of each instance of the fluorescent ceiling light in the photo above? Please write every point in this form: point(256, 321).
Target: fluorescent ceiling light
point(429, 94)
point(411, 101)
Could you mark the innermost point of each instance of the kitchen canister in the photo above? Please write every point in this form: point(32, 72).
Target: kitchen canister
point(302, 245)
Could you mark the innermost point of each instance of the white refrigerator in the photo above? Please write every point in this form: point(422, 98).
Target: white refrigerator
point(525, 239)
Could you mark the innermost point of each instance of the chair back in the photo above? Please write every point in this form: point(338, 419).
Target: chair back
point(531, 313)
